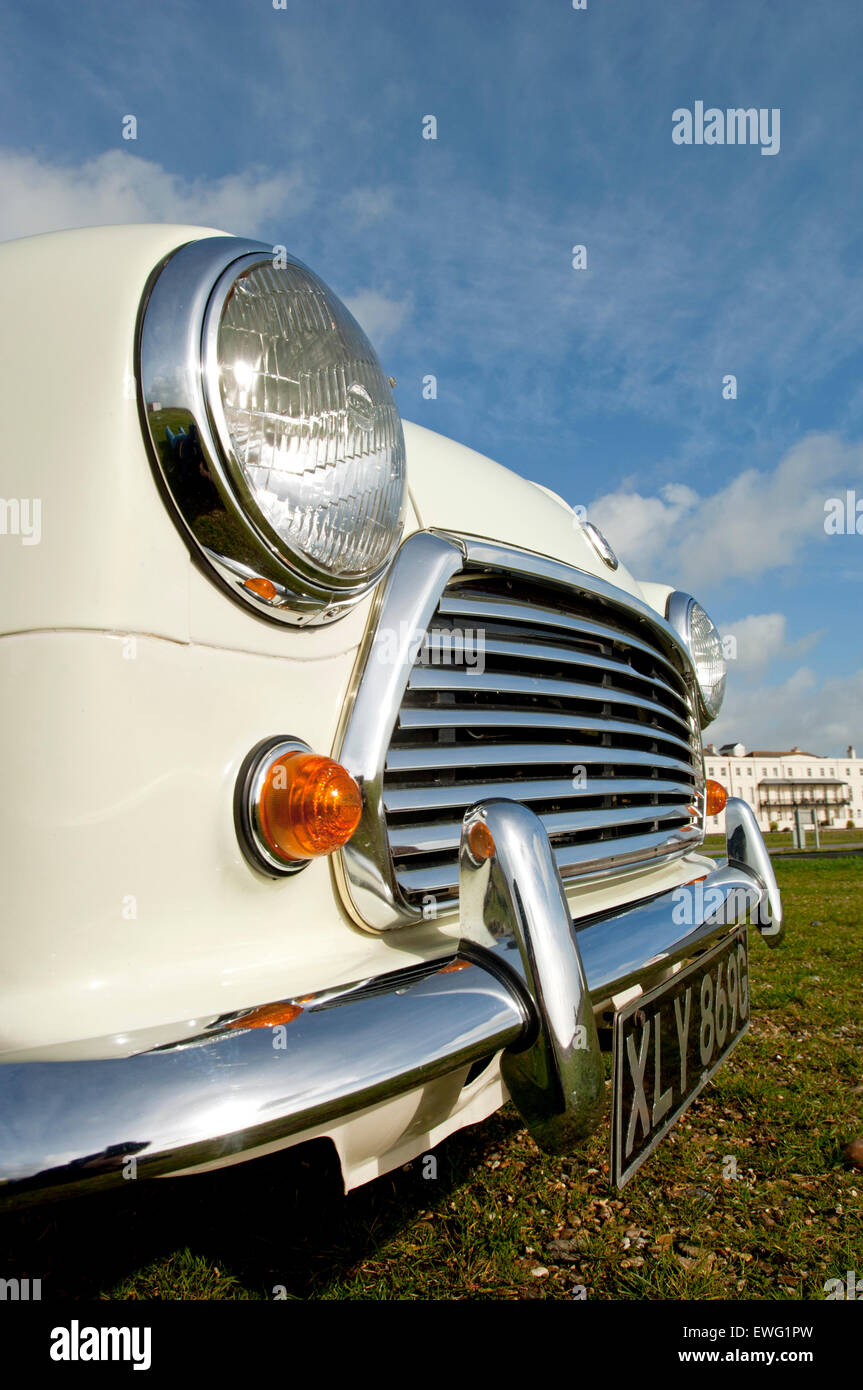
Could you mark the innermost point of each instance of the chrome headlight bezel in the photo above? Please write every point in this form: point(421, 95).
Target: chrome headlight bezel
point(679, 612)
point(197, 468)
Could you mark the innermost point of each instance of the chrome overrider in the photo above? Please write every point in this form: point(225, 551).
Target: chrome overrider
point(527, 983)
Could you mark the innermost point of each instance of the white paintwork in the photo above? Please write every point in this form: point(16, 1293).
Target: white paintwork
point(455, 488)
point(120, 755)
point(383, 1137)
point(657, 595)
point(132, 688)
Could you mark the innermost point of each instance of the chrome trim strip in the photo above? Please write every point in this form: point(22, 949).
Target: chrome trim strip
point(247, 805)
point(405, 606)
point(508, 559)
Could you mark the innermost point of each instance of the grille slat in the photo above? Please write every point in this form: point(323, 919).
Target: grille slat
point(451, 717)
point(439, 837)
point(496, 611)
point(522, 683)
point(436, 758)
point(526, 651)
point(441, 880)
point(500, 683)
point(465, 794)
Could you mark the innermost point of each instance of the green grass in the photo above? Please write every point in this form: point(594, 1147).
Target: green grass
point(782, 1108)
point(783, 839)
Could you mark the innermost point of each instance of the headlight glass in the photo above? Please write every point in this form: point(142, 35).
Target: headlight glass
point(310, 420)
point(701, 636)
point(272, 428)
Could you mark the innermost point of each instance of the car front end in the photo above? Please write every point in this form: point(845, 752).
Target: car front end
point(251, 575)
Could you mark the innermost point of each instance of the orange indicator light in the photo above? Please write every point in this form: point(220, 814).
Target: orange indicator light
point(455, 965)
point(480, 840)
point(268, 1016)
point(264, 588)
point(308, 806)
point(716, 798)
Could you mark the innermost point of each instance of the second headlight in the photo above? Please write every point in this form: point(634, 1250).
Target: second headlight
point(702, 638)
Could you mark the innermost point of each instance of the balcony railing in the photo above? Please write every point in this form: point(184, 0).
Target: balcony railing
point(804, 801)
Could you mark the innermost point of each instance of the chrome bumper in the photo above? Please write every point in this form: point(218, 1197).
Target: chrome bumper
point(527, 982)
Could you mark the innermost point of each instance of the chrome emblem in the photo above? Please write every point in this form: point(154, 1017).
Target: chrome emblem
point(600, 544)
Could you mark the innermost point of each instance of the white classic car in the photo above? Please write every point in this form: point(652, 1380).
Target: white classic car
point(350, 785)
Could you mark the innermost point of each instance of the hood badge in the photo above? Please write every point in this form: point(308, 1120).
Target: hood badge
point(600, 544)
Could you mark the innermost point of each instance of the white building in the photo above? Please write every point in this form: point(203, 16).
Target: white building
point(775, 783)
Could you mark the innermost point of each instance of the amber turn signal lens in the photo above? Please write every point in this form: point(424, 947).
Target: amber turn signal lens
point(308, 806)
point(480, 840)
point(264, 588)
point(716, 798)
point(454, 966)
point(268, 1016)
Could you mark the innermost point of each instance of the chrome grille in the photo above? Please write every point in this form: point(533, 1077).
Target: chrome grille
point(575, 699)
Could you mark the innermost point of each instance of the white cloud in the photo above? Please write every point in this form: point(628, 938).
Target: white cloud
point(377, 315)
point(365, 206)
point(641, 528)
point(755, 522)
point(762, 638)
point(818, 715)
point(119, 186)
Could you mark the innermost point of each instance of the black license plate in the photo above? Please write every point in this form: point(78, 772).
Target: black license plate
point(667, 1045)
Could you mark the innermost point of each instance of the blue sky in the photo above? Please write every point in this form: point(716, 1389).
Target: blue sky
point(303, 126)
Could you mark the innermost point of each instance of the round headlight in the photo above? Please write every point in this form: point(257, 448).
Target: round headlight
point(699, 633)
point(274, 427)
